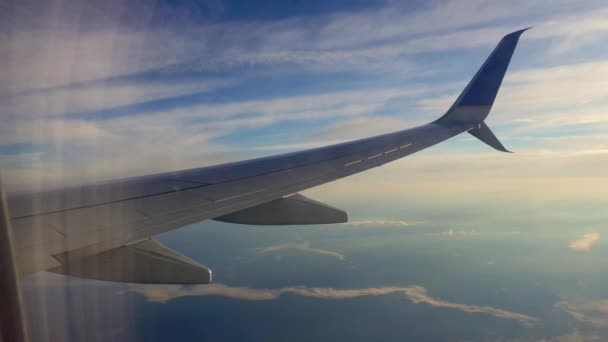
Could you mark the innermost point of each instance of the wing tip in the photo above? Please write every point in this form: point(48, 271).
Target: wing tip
point(500, 147)
point(517, 33)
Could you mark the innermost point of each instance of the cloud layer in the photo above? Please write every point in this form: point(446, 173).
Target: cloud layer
point(415, 294)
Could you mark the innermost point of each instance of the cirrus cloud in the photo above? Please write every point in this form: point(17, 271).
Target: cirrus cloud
point(415, 294)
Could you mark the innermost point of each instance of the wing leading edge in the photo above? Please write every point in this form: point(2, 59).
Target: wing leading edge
point(98, 221)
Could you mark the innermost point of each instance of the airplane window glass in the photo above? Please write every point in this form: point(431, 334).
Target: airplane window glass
point(215, 170)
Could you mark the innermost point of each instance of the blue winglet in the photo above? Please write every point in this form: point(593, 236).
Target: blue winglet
point(478, 96)
point(483, 88)
point(474, 103)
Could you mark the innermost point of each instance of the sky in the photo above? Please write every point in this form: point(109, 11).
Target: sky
point(100, 90)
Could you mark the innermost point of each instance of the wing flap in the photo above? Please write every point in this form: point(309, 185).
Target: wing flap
point(145, 262)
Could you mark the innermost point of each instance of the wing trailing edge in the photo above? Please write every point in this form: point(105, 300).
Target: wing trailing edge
point(145, 262)
point(149, 262)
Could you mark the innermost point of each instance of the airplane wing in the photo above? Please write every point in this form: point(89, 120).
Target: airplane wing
point(103, 231)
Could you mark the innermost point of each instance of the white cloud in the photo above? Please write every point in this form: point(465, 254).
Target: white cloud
point(453, 188)
point(372, 39)
point(569, 94)
point(303, 247)
point(183, 136)
point(175, 139)
point(415, 294)
point(584, 243)
point(380, 223)
point(98, 96)
point(299, 107)
point(53, 57)
point(457, 233)
point(574, 336)
point(594, 312)
point(53, 131)
point(296, 146)
point(362, 127)
point(573, 30)
point(459, 16)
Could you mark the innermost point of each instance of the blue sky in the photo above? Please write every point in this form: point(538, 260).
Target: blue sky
point(125, 88)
